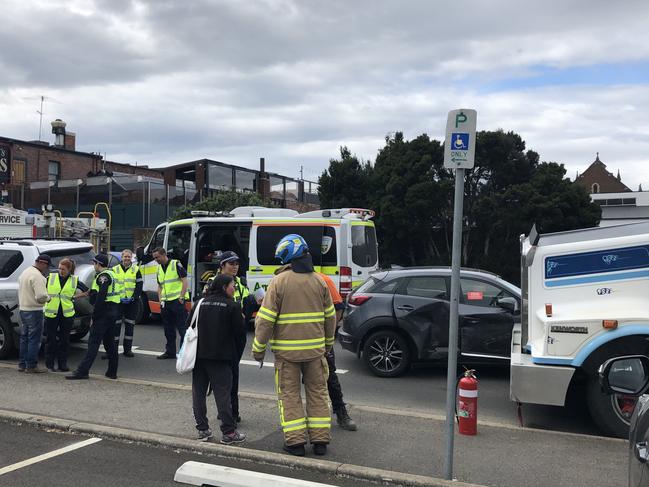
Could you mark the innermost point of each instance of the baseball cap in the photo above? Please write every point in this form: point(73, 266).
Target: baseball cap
point(228, 256)
point(44, 258)
point(101, 259)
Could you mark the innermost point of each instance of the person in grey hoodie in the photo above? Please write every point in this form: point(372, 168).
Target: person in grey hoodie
point(32, 295)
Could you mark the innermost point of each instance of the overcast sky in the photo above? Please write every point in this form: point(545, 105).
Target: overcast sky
point(168, 81)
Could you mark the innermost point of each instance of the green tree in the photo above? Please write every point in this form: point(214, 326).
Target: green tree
point(222, 201)
point(345, 183)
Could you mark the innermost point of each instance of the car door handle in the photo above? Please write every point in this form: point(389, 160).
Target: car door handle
point(406, 307)
point(641, 452)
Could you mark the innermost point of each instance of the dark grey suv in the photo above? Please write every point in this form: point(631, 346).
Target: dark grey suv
point(401, 316)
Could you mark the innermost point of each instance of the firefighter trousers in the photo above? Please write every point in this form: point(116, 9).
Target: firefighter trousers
point(296, 426)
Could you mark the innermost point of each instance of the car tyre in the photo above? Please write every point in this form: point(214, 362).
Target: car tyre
point(387, 353)
point(6, 338)
point(611, 412)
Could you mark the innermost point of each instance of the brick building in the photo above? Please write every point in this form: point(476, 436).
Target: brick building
point(596, 179)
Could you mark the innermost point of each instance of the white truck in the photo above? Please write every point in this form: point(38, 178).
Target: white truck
point(585, 296)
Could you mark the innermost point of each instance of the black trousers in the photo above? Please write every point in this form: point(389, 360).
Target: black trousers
point(127, 313)
point(240, 346)
point(102, 330)
point(174, 318)
point(57, 345)
point(218, 373)
point(333, 384)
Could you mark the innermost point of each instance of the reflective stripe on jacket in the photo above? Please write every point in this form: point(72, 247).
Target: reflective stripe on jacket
point(127, 278)
point(170, 282)
point(58, 296)
point(114, 291)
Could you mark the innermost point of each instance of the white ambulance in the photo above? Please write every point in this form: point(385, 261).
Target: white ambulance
point(342, 241)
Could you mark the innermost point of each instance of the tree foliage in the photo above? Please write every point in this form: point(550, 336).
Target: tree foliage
point(507, 191)
point(222, 201)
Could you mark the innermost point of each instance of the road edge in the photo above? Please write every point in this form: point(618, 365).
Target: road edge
point(340, 470)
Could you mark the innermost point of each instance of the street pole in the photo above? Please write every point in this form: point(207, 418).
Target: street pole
point(453, 322)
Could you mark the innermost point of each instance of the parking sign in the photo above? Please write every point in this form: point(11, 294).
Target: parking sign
point(459, 147)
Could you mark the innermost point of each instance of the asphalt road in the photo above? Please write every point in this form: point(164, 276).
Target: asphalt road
point(421, 390)
point(109, 463)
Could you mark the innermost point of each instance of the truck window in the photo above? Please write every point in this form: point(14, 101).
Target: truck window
point(480, 293)
point(364, 252)
point(178, 243)
point(10, 260)
point(269, 236)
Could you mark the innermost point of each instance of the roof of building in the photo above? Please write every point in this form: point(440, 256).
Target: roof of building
point(596, 174)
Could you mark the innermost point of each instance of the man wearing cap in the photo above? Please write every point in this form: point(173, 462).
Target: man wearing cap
point(172, 293)
point(32, 295)
point(105, 295)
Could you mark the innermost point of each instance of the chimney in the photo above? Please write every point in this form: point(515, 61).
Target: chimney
point(58, 129)
point(70, 141)
point(264, 181)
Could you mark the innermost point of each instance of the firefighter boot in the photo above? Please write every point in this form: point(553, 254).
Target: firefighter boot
point(344, 421)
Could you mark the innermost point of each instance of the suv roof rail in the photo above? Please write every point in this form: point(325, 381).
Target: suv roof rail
point(439, 267)
point(14, 240)
point(30, 239)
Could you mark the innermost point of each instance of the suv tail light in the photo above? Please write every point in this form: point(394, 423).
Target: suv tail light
point(345, 286)
point(358, 299)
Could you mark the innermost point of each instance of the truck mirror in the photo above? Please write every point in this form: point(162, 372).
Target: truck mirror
point(508, 303)
point(627, 375)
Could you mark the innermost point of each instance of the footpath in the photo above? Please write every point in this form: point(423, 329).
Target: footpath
point(394, 447)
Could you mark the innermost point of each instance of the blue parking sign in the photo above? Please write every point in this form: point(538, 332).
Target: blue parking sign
point(459, 141)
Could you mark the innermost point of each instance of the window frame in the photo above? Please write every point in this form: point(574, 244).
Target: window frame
point(4, 265)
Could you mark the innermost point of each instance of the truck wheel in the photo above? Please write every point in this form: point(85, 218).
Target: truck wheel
point(386, 353)
point(611, 412)
point(6, 338)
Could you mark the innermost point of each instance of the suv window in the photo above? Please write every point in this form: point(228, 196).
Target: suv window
point(10, 260)
point(480, 293)
point(433, 287)
point(364, 252)
point(373, 285)
point(79, 256)
point(269, 236)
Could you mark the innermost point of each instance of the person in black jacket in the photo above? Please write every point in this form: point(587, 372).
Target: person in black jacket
point(220, 324)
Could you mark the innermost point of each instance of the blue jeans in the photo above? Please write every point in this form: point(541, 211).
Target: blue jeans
point(31, 331)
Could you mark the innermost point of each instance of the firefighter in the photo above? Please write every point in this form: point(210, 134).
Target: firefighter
point(131, 279)
point(172, 294)
point(105, 295)
point(298, 319)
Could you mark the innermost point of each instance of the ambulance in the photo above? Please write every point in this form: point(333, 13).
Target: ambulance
point(342, 241)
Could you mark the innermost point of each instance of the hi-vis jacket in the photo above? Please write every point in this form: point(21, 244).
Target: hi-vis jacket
point(297, 317)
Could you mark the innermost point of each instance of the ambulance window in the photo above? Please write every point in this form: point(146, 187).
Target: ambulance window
point(268, 237)
point(10, 260)
point(328, 248)
point(364, 252)
point(158, 239)
point(178, 243)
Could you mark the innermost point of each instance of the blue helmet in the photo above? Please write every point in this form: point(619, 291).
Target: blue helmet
point(290, 247)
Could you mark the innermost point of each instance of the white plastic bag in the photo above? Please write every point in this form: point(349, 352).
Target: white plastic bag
point(187, 355)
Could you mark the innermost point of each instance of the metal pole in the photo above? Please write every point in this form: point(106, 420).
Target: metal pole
point(453, 322)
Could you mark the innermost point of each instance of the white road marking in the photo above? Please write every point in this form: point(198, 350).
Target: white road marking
point(46, 456)
point(137, 350)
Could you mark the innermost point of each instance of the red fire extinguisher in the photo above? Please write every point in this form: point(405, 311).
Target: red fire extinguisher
point(467, 406)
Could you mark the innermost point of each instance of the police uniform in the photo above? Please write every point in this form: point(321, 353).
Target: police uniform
point(131, 282)
point(59, 317)
point(105, 295)
point(172, 312)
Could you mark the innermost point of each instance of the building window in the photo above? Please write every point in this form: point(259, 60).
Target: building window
point(54, 171)
point(594, 188)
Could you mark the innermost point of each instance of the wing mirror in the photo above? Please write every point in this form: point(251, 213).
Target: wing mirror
point(508, 303)
point(625, 375)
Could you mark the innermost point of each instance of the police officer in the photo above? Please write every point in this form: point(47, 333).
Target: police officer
point(131, 279)
point(172, 294)
point(298, 302)
point(105, 295)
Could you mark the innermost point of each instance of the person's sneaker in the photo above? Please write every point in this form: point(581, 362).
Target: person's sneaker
point(128, 353)
point(320, 448)
point(297, 450)
point(234, 437)
point(110, 376)
point(204, 435)
point(76, 376)
point(35, 370)
point(344, 421)
point(21, 369)
point(165, 355)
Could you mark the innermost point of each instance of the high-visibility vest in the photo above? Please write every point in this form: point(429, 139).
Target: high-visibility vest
point(114, 293)
point(126, 278)
point(60, 296)
point(170, 282)
point(240, 291)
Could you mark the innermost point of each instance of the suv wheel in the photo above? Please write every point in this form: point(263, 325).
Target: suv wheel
point(386, 353)
point(6, 338)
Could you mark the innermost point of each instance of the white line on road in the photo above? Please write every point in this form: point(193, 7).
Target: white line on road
point(139, 351)
point(46, 456)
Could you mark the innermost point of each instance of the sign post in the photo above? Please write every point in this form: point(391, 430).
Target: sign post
point(459, 154)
